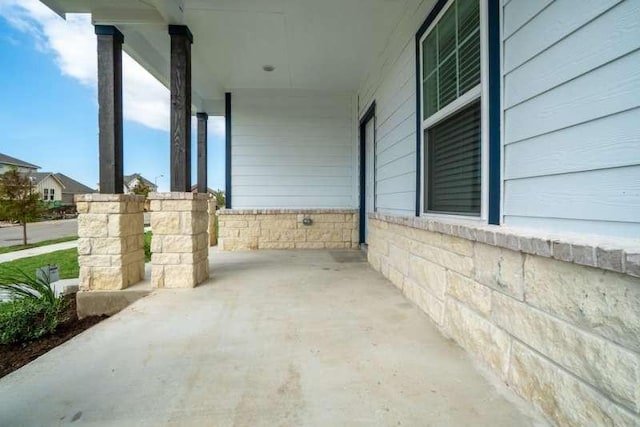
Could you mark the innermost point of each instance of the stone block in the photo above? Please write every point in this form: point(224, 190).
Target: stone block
point(156, 243)
point(121, 225)
point(236, 224)
point(107, 207)
point(562, 251)
point(399, 259)
point(92, 225)
point(584, 255)
point(278, 224)
point(564, 399)
point(374, 259)
point(82, 207)
point(427, 302)
point(595, 360)
point(632, 264)
point(179, 206)
point(324, 235)
point(155, 205)
point(610, 259)
point(94, 260)
point(395, 277)
point(157, 276)
point(179, 276)
point(450, 260)
point(602, 302)
point(477, 335)
point(309, 245)
point(228, 232)
point(84, 246)
point(165, 223)
point(108, 246)
point(469, 292)
point(178, 244)
point(274, 245)
point(457, 245)
point(431, 276)
point(108, 278)
point(164, 259)
point(500, 269)
point(337, 245)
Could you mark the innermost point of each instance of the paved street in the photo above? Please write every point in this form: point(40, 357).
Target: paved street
point(39, 231)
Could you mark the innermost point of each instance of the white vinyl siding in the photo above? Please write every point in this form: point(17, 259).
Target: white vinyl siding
point(391, 82)
point(572, 116)
point(292, 149)
point(53, 188)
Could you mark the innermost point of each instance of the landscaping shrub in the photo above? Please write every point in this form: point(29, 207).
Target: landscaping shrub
point(25, 319)
point(33, 309)
point(147, 246)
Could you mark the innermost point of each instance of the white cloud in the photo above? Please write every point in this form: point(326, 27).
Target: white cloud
point(73, 44)
point(216, 125)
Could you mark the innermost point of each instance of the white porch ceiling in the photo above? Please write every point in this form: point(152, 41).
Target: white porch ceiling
point(313, 44)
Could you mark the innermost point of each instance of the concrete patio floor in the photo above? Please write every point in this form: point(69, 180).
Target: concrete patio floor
point(275, 338)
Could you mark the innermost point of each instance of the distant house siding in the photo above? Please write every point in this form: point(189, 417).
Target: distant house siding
point(292, 149)
point(6, 168)
point(49, 183)
point(391, 83)
point(572, 116)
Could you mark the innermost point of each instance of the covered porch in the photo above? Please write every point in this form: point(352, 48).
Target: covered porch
point(275, 338)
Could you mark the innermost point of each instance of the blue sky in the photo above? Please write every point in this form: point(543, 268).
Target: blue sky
point(48, 106)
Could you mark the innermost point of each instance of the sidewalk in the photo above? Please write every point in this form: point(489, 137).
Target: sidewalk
point(10, 256)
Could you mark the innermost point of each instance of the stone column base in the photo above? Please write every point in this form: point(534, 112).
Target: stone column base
point(180, 243)
point(110, 240)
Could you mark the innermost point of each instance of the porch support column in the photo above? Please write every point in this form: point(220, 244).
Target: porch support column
point(110, 108)
point(180, 74)
point(202, 152)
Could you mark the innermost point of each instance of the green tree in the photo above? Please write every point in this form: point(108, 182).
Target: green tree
point(141, 189)
point(18, 200)
point(220, 198)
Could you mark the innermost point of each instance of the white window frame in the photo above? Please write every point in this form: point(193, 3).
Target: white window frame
point(52, 194)
point(480, 91)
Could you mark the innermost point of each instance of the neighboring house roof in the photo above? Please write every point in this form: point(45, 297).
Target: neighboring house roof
point(40, 176)
point(71, 186)
point(128, 178)
point(8, 160)
point(194, 189)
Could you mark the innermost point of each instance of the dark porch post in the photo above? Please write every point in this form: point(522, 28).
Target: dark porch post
point(110, 108)
point(202, 152)
point(181, 40)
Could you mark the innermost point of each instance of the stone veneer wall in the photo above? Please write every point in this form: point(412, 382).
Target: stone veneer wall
point(559, 322)
point(180, 241)
point(283, 229)
point(110, 240)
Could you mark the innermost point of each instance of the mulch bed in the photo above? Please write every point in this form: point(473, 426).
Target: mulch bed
point(14, 356)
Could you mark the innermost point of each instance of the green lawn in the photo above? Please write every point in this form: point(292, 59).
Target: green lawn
point(66, 260)
point(4, 250)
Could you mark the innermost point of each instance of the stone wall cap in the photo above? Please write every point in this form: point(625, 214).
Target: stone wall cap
point(307, 211)
point(176, 195)
point(98, 197)
point(614, 254)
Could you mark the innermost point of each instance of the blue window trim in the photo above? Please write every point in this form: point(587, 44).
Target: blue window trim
point(227, 148)
point(494, 111)
point(493, 11)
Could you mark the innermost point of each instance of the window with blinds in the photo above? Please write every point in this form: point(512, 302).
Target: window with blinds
point(453, 169)
point(452, 144)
